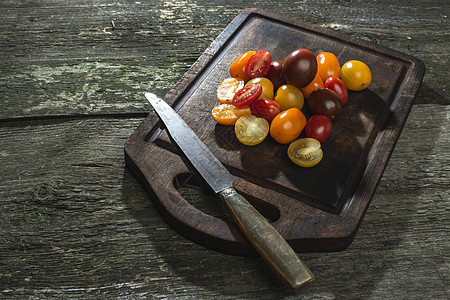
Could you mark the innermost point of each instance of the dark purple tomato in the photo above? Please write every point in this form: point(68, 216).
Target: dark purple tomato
point(300, 68)
point(318, 127)
point(275, 74)
point(325, 102)
point(336, 85)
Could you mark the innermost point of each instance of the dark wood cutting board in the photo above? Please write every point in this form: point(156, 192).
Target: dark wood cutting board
point(314, 209)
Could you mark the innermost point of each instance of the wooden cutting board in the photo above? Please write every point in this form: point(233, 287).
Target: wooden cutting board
point(314, 209)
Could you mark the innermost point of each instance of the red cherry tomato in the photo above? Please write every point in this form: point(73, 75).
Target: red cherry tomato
point(266, 109)
point(318, 127)
point(258, 65)
point(247, 95)
point(336, 85)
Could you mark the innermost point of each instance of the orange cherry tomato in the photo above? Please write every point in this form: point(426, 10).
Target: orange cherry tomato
point(237, 68)
point(328, 65)
point(287, 125)
point(317, 83)
point(228, 88)
point(228, 114)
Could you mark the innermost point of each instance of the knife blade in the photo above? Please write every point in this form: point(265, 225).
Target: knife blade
point(272, 247)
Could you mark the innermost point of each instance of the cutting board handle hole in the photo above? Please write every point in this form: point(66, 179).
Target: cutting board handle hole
point(195, 191)
point(268, 210)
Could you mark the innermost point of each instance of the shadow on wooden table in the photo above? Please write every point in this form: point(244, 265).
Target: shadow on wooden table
point(174, 263)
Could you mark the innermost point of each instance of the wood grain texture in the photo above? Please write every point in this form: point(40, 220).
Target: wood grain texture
point(75, 223)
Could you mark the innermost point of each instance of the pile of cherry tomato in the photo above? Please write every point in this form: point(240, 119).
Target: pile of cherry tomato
point(264, 96)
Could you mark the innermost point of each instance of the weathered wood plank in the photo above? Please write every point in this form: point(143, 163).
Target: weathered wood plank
point(62, 57)
point(76, 223)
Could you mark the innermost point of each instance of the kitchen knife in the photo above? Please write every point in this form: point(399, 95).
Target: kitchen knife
point(260, 233)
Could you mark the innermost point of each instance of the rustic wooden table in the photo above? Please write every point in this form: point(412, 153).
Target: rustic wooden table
point(75, 223)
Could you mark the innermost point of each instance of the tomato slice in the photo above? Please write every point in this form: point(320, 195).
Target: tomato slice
point(228, 88)
point(228, 114)
point(251, 130)
point(305, 152)
point(259, 64)
point(247, 95)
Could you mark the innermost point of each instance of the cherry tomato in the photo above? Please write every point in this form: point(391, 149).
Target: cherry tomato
point(228, 114)
point(336, 85)
point(306, 152)
point(259, 63)
point(275, 74)
point(228, 88)
point(267, 87)
point(356, 75)
point(318, 127)
point(317, 83)
point(288, 96)
point(328, 65)
point(325, 102)
point(251, 130)
point(300, 68)
point(287, 125)
point(265, 108)
point(237, 68)
point(247, 95)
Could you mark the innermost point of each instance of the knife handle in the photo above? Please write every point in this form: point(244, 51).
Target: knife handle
point(272, 247)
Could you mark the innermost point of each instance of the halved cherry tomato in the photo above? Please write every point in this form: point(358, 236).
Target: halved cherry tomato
point(247, 95)
point(259, 63)
point(237, 68)
point(265, 108)
point(317, 83)
point(228, 88)
point(228, 114)
point(288, 96)
point(319, 127)
point(251, 130)
point(267, 87)
point(356, 75)
point(305, 152)
point(287, 125)
point(336, 85)
point(328, 65)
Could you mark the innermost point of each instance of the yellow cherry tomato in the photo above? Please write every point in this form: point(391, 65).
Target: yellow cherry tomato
point(251, 130)
point(288, 96)
point(305, 152)
point(267, 87)
point(356, 75)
